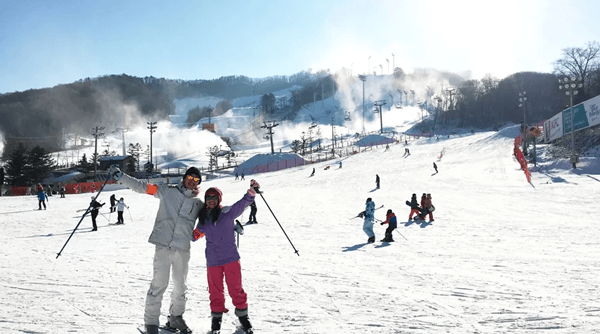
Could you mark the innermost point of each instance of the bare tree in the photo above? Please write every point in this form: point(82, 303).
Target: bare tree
point(213, 154)
point(579, 63)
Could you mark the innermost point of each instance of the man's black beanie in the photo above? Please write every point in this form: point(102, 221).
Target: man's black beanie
point(193, 171)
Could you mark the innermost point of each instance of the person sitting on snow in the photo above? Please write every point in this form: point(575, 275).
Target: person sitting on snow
point(414, 207)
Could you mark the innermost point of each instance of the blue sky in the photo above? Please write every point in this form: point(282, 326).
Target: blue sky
point(45, 43)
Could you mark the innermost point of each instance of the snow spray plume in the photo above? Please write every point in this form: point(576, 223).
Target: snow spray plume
point(171, 142)
point(88, 210)
point(2, 143)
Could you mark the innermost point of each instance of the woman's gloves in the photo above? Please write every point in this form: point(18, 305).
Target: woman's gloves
point(253, 188)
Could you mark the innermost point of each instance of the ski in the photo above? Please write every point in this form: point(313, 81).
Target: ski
point(161, 330)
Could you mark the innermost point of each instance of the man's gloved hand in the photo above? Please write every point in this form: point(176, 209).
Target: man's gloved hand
point(362, 214)
point(197, 234)
point(382, 223)
point(115, 173)
point(253, 188)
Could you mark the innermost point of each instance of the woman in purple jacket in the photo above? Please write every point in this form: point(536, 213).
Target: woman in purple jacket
point(222, 257)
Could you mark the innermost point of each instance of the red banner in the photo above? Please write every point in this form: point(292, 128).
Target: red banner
point(521, 158)
point(72, 188)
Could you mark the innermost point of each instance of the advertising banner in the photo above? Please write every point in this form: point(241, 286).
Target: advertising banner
point(592, 110)
point(580, 119)
point(553, 128)
point(586, 114)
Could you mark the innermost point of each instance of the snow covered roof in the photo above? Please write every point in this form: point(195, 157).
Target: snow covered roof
point(62, 178)
point(372, 140)
point(114, 158)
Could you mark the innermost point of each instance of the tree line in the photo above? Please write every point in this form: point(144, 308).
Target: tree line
point(40, 117)
point(492, 102)
point(27, 167)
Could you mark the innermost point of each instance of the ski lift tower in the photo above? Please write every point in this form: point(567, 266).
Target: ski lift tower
point(378, 105)
point(363, 78)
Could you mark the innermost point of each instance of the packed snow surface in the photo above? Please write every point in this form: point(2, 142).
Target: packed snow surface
point(502, 256)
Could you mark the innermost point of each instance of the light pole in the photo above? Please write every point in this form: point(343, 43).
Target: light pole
point(152, 127)
point(570, 85)
point(393, 63)
point(363, 78)
point(388, 61)
point(522, 99)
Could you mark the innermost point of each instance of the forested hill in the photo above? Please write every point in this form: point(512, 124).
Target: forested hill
point(39, 115)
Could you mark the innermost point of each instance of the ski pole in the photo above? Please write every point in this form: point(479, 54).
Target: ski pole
point(80, 220)
point(104, 216)
point(261, 195)
point(129, 211)
point(237, 235)
point(400, 234)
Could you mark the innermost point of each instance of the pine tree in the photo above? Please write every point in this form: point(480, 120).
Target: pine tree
point(135, 151)
point(85, 165)
point(1, 179)
point(16, 167)
point(39, 164)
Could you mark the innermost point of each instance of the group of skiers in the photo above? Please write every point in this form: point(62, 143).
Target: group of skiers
point(421, 211)
point(425, 208)
point(179, 209)
point(369, 220)
point(118, 206)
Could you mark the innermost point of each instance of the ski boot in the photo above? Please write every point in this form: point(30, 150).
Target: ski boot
point(371, 240)
point(151, 329)
point(243, 316)
point(176, 322)
point(217, 318)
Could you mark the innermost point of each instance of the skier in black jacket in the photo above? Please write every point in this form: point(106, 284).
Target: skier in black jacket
point(95, 209)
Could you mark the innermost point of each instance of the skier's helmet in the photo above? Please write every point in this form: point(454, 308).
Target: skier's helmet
point(214, 191)
point(389, 211)
point(369, 199)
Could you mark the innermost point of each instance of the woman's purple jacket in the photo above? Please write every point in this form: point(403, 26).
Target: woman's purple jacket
point(220, 236)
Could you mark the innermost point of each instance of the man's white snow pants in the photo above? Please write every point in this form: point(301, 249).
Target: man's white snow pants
point(167, 260)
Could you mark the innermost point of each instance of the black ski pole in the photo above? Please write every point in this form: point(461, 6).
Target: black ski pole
point(401, 234)
point(80, 220)
point(261, 195)
point(237, 234)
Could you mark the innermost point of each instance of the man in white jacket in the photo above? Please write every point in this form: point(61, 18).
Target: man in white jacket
point(172, 234)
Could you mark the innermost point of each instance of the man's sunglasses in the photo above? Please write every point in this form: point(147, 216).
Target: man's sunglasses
point(189, 177)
